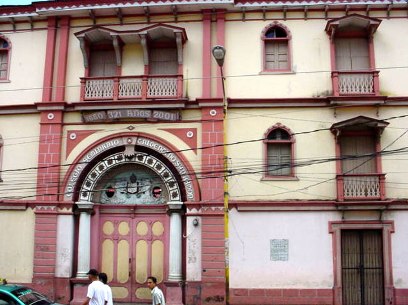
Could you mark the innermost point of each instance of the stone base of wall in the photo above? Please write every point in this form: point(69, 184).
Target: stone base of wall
point(401, 296)
point(281, 296)
point(192, 293)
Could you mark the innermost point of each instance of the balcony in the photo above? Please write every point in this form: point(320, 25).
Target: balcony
point(346, 83)
point(141, 87)
point(361, 187)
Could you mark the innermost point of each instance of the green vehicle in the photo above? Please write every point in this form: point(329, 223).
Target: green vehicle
point(11, 294)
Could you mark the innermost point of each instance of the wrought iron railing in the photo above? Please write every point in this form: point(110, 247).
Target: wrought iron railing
point(361, 186)
point(355, 83)
point(131, 87)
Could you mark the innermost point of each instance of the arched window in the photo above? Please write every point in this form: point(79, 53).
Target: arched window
point(276, 39)
point(4, 57)
point(279, 143)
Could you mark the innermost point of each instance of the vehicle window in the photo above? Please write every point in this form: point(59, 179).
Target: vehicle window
point(30, 297)
point(6, 300)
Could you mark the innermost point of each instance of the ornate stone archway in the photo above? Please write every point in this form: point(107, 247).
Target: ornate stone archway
point(135, 172)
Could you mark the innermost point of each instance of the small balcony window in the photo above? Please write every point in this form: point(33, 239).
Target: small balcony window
point(353, 69)
point(359, 146)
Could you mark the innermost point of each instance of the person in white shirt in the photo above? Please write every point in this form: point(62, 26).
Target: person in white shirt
point(104, 279)
point(96, 294)
point(157, 294)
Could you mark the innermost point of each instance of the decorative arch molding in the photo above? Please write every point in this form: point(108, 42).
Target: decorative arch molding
point(134, 145)
point(278, 25)
point(279, 126)
point(102, 167)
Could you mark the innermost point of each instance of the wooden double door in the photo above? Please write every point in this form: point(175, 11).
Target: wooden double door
point(133, 248)
point(362, 267)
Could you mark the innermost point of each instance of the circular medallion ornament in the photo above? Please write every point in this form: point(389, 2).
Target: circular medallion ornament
point(72, 136)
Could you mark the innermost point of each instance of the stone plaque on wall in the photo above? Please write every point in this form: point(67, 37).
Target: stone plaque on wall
point(279, 249)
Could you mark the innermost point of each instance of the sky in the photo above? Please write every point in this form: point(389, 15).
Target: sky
point(17, 2)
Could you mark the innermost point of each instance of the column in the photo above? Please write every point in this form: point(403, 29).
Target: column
point(64, 255)
point(84, 239)
point(174, 293)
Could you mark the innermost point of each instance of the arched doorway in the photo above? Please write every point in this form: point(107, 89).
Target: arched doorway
point(136, 193)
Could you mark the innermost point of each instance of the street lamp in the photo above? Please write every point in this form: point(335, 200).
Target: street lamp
point(218, 53)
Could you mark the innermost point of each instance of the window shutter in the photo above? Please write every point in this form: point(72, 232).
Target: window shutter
point(360, 59)
point(279, 159)
point(103, 63)
point(3, 64)
point(343, 58)
point(276, 55)
point(351, 148)
point(163, 61)
point(352, 54)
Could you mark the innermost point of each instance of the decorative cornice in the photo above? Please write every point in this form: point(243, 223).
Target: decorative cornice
point(316, 205)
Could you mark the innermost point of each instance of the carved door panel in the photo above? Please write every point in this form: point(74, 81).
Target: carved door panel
point(131, 250)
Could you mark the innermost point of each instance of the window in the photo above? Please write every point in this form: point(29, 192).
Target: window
point(276, 48)
point(6, 300)
point(4, 58)
point(358, 154)
point(352, 54)
point(279, 149)
point(163, 61)
point(103, 62)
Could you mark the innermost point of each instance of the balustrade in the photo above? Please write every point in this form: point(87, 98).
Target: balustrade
point(131, 87)
point(355, 83)
point(361, 186)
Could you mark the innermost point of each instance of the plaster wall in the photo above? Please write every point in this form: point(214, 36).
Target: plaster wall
point(26, 72)
point(75, 67)
point(17, 245)
point(247, 159)
point(20, 156)
point(156, 131)
point(394, 140)
point(310, 256)
point(391, 56)
point(313, 180)
point(310, 71)
point(399, 247)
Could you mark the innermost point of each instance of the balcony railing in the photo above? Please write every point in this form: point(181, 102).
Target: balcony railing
point(355, 83)
point(361, 186)
point(131, 87)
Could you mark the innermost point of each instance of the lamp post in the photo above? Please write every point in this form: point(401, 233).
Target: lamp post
point(218, 53)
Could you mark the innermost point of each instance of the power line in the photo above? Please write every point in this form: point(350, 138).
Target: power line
point(202, 78)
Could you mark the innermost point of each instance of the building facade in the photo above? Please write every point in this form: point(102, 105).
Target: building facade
point(275, 178)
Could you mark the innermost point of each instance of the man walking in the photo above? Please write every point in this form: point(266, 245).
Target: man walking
point(96, 294)
point(157, 294)
point(103, 277)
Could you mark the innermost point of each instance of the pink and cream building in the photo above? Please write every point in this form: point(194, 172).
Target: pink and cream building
point(116, 137)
